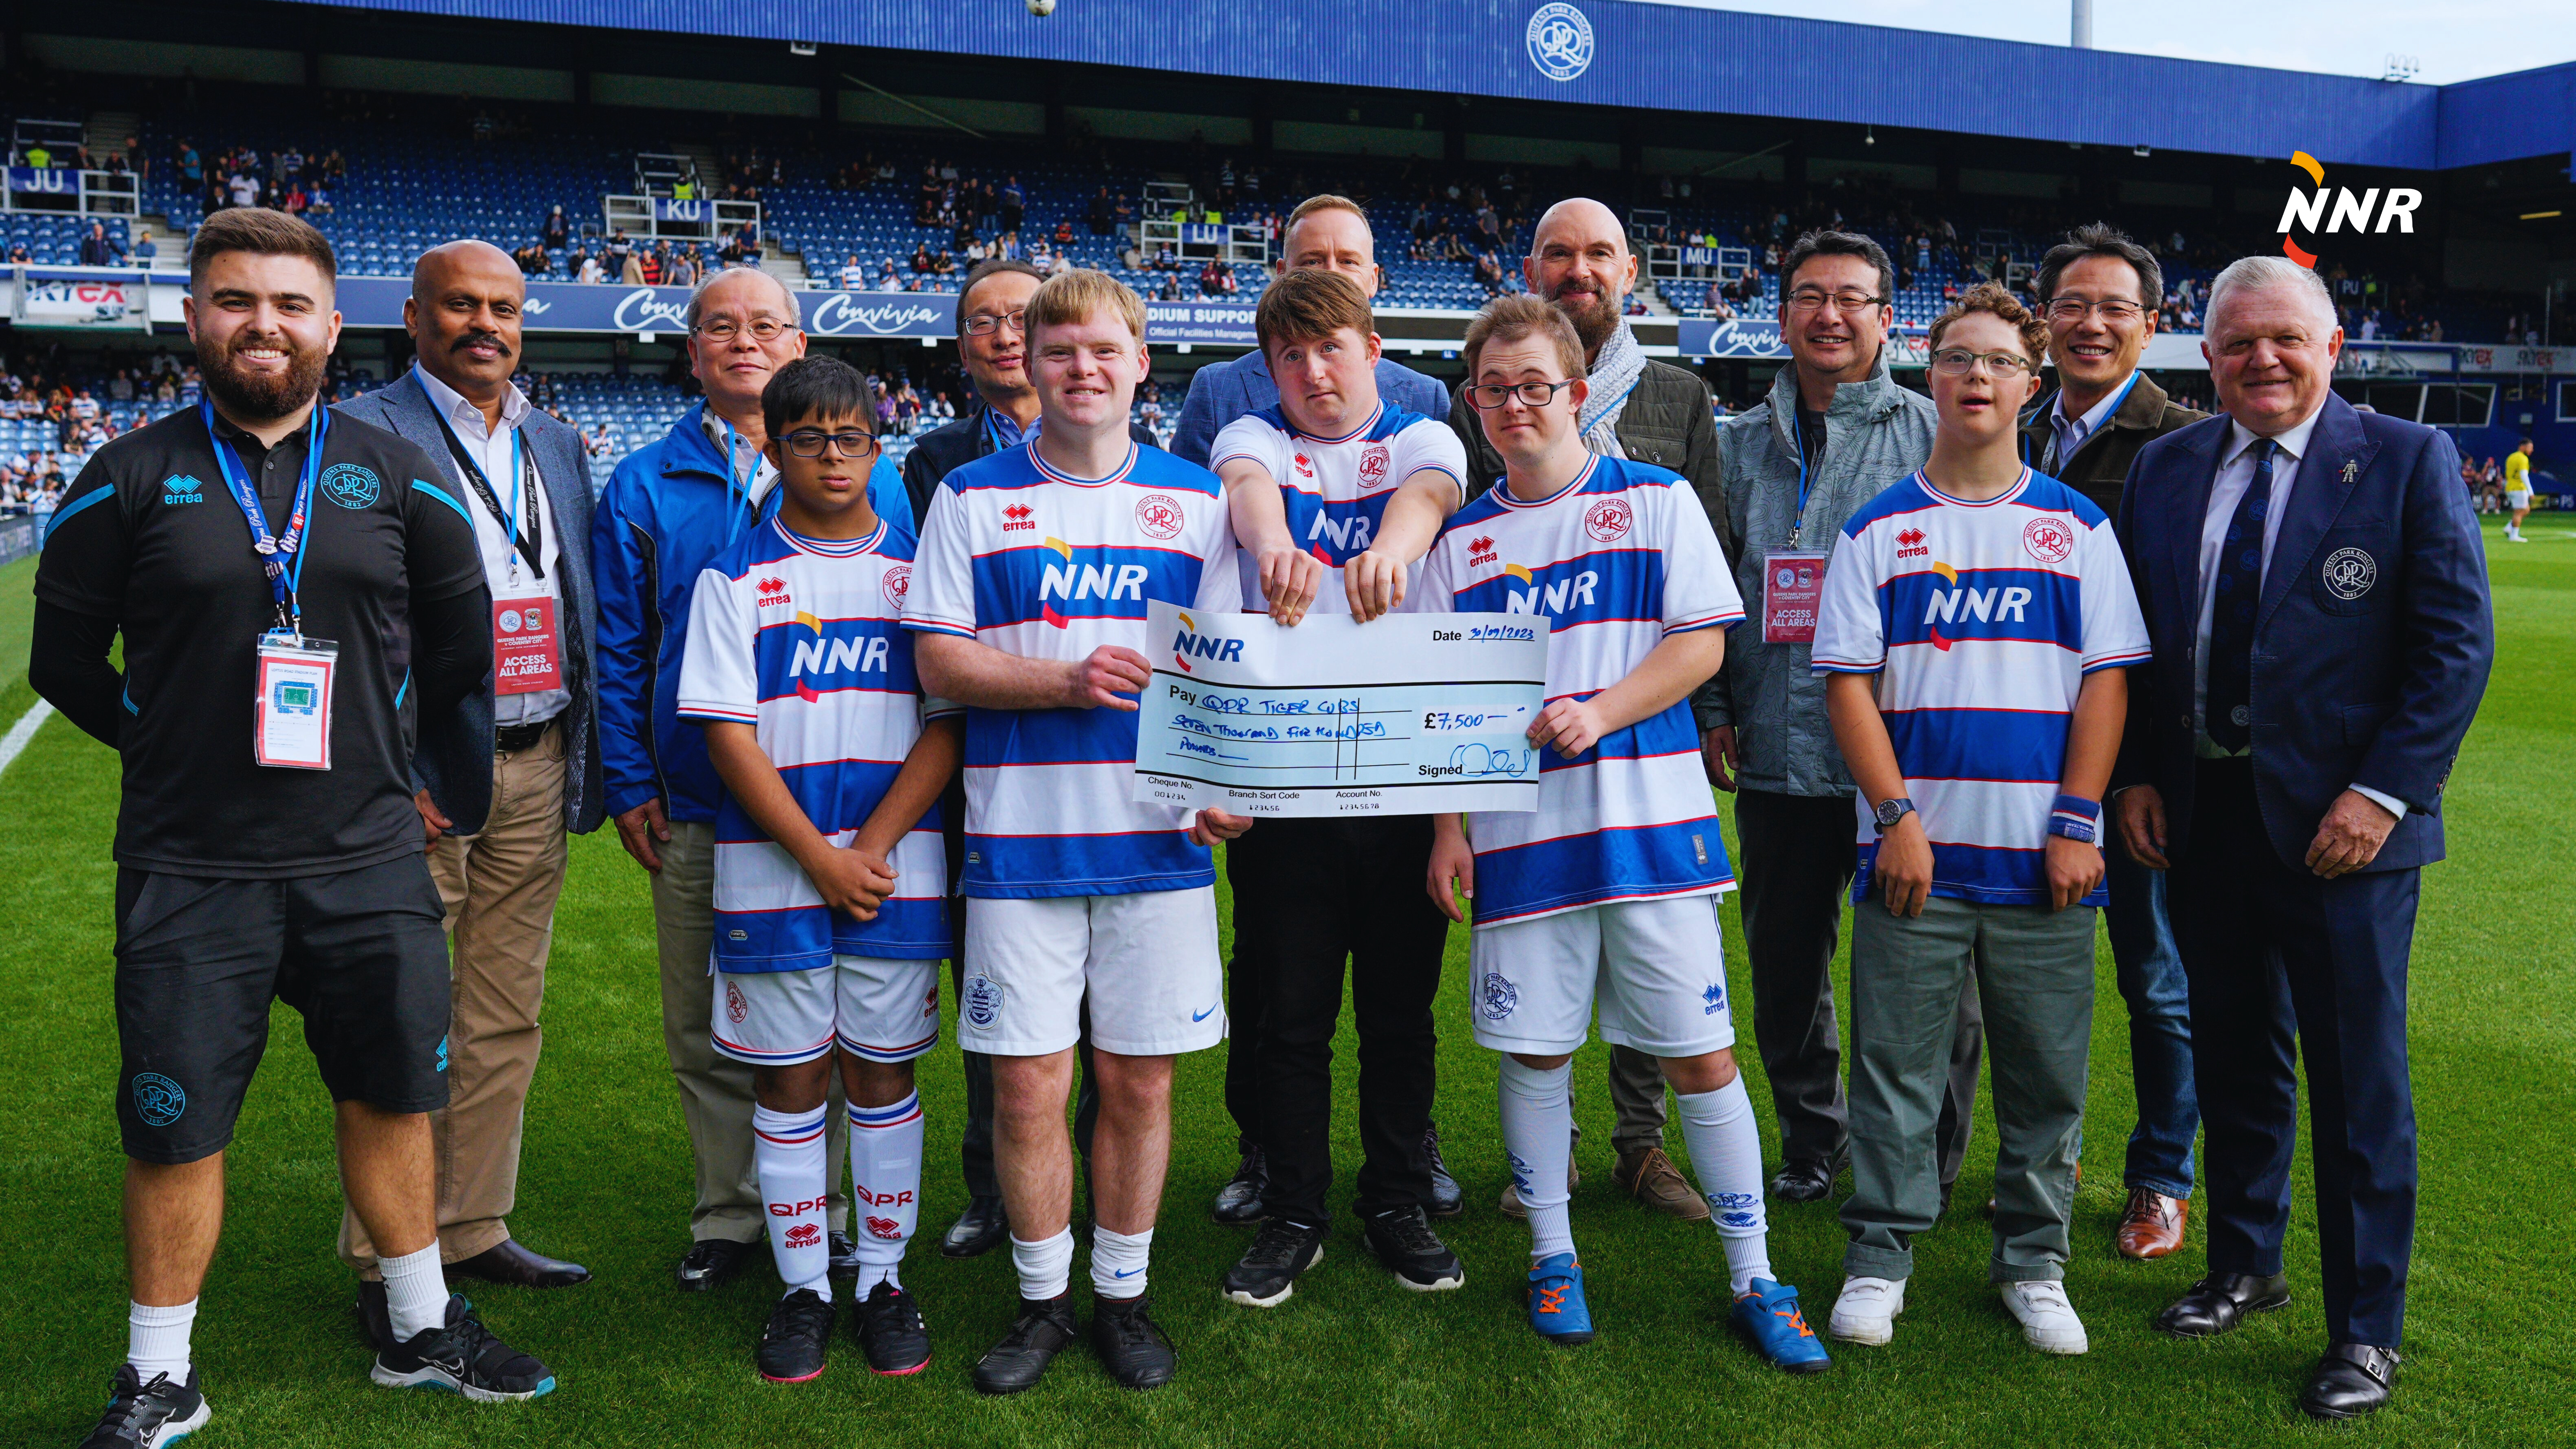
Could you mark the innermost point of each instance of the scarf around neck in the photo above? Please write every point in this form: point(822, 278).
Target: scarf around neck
point(1614, 375)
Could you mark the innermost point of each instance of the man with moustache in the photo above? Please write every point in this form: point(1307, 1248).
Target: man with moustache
point(271, 853)
point(1835, 432)
point(670, 508)
point(1325, 233)
point(2099, 292)
point(514, 766)
point(993, 341)
point(1650, 412)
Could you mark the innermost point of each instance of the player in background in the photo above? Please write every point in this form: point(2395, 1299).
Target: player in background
point(1037, 569)
point(1975, 630)
point(1607, 894)
point(2517, 489)
point(1332, 477)
point(831, 913)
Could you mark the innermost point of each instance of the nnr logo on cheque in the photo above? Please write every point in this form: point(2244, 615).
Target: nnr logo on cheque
point(1559, 40)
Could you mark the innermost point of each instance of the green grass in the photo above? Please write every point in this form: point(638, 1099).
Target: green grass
point(1351, 1359)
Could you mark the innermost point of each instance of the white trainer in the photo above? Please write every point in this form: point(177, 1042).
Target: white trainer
point(2048, 1321)
point(1866, 1311)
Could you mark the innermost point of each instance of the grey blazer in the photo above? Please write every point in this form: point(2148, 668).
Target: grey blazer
point(452, 758)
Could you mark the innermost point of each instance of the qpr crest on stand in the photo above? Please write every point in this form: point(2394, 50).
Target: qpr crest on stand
point(1560, 41)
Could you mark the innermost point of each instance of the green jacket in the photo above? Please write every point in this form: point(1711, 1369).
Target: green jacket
point(2101, 463)
point(1876, 434)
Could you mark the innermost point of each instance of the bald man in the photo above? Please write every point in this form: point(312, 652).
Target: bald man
point(1649, 412)
point(513, 767)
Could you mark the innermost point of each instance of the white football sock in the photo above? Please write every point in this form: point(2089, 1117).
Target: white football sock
point(1045, 1267)
point(1118, 1261)
point(1726, 1156)
point(415, 1292)
point(787, 1152)
point(1538, 1137)
point(885, 1186)
point(156, 1339)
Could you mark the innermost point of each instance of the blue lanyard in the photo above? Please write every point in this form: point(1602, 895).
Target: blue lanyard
point(737, 486)
point(1798, 434)
point(2059, 406)
point(993, 430)
point(276, 553)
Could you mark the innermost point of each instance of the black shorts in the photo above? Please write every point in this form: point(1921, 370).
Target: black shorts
point(362, 954)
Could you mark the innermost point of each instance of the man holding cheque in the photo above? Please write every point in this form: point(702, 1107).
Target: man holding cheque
point(1333, 477)
point(1607, 894)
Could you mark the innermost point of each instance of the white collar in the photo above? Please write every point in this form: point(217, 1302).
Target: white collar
point(465, 415)
point(2293, 441)
point(2100, 413)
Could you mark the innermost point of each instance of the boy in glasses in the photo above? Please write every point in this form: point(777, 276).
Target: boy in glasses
point(830, 904)
point(1606, 896)
point(1975, 630)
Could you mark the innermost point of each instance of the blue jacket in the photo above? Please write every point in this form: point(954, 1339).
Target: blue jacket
point(2372, 639)
point(668, 510)
point(1224, 391)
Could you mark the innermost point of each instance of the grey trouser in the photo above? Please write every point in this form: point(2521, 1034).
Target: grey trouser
point(2033, 967)
point(715, 1090)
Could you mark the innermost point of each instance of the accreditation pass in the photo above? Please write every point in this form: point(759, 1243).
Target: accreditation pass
point(291, 714)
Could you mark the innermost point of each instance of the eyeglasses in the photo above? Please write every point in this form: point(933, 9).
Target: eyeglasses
point(1959, 362)
point(1487, 396)
point(725, 329)
point(984, 324)
point(2074, 309)
point(1808, 299)
point(808, 443)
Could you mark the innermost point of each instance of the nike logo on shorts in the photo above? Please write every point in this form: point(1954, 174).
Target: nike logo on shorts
point(1204, 1015)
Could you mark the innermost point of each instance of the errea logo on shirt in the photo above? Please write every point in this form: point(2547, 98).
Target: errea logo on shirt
point(180, 488)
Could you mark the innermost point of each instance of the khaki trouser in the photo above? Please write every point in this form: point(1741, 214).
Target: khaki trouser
point(715, 1091)
point(499, 887)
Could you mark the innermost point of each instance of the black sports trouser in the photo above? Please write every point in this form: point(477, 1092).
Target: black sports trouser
point(1309, 894)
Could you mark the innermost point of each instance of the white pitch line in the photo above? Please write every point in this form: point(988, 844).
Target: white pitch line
point(21, 732)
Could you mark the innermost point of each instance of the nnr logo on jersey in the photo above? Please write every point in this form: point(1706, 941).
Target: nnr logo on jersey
point(1910, 544)
point(771, 590)
point(1017, 515)
point(1374, 461)
point(1954, 605)
point(2049, 540)
point(1160, 515)
point(1480, 551)
point(1552, 598)
point(1608, 520)
point(869, 654)
point(1346, 533)
point(1559, 38)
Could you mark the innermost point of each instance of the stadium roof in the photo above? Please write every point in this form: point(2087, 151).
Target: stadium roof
point(1621, 53)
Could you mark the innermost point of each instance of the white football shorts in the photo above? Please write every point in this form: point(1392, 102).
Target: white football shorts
point(1654, 970)
point(877, 1007)
point(1147, 959)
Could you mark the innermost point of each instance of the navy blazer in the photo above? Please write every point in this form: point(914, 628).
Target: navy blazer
point(2372, 641)
point(452, 758)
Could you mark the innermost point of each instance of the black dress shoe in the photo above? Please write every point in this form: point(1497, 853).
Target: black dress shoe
point(2351, 1380)
point(1807, 1181)
point(375, 1314)
point(978, 1230)
point(1045, 1328)
point(2220, 1301)
point(1130, 1344)
point(711, 1264)
point(1446, 1200)
point(1238, 1203)
point(845, 1258)
point(508, 1262)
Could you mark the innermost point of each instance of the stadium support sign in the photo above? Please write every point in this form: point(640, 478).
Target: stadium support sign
point(85, 298)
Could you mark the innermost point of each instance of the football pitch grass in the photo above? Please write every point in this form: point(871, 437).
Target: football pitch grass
point(1351, 1359)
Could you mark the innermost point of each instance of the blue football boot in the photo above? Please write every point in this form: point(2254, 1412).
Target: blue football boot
point(1769, 1315)
point(1556, 1307)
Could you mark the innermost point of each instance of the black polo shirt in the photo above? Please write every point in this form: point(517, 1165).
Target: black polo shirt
point(150, 537)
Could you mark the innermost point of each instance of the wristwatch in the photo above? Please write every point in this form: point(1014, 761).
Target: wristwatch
point(1891, 811)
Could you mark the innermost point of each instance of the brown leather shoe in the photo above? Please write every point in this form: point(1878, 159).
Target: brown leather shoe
point(1650, 1177)
point(1511, 1206)
point(2152, 1224)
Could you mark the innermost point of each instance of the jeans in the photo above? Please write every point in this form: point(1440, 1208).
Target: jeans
point(2159, 998)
